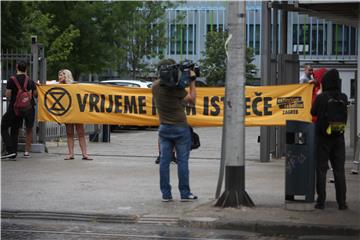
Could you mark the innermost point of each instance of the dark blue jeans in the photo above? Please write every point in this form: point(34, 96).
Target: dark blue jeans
point(179, 137)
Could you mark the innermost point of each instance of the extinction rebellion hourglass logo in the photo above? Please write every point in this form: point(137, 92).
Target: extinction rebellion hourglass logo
point(57, 101)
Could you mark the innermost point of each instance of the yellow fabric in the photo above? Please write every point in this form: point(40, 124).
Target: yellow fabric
point(104, 104)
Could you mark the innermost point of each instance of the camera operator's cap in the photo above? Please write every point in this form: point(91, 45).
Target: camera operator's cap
point(165, 62)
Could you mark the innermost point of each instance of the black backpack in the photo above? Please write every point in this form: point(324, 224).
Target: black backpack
point(336, 115)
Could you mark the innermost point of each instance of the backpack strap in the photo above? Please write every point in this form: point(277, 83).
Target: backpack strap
point(26, 83)
point(18, 84)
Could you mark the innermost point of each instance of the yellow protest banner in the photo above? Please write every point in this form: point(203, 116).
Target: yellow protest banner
point(104, 104)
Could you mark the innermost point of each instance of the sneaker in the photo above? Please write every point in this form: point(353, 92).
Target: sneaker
point(189, 198)
point(166, 199)
point(27, 155)
point(8, 155)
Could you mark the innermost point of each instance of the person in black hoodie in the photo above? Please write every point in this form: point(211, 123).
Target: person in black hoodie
point(330, 144)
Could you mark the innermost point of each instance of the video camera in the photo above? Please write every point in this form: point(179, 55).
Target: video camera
point(178, 75)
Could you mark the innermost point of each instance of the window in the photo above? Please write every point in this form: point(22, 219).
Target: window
point(343, 40)
point(182, 39)
point(151, 45)
point(214, 28)
point(303, 33)
point(257, 37)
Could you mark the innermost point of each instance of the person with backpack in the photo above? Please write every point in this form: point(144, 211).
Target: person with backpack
point(21, 90)
point(330, 108)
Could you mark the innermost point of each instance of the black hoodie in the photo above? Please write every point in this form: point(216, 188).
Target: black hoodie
point(331, 86)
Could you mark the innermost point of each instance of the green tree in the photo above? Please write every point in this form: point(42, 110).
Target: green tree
point(80, 38)
point(88, 37)
point(146, 34)
point(20, 20)
point(213, 65)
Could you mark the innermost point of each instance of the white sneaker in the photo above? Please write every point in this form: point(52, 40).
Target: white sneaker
point(27, 155)
point(189, 198)
point(8, 155)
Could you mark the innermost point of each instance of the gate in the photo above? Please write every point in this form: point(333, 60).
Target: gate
point(37, 71)
point(8, 68)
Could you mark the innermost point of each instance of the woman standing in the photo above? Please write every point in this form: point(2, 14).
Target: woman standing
point(65, 77)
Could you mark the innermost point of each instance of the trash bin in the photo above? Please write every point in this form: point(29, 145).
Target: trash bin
point(300, 160)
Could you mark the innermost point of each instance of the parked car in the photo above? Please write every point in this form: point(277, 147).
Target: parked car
point(128, 83)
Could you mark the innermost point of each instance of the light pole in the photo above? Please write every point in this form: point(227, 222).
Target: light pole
point(233, 150)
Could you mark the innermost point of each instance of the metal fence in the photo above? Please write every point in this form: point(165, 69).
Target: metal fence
point(55, 131)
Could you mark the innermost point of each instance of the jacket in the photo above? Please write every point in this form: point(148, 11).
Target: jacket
point(331, 84)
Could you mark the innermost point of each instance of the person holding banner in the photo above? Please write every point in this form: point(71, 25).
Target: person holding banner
point(318, 76)
point(65, 77)
point(170, 98)
point(307, 77)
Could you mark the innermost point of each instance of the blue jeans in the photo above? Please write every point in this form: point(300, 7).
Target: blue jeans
point(171, 136)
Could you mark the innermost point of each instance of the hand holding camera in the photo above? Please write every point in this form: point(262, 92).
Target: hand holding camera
point(178, 75)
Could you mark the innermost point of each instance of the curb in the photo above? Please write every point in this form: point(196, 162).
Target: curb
point(270, 227)
point(67, 216)
point(264, 227)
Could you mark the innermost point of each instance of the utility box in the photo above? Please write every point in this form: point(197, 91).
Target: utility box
point(300, 160)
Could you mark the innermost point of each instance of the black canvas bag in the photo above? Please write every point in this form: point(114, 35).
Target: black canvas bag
point(195, 139)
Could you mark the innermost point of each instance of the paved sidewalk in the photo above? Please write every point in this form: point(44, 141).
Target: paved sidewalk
point(122, 185)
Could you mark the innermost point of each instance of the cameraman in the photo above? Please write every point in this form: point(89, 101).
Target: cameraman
point(170, 99)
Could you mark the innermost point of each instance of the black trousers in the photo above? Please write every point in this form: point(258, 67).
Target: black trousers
point(331, 148)
point(10, 124)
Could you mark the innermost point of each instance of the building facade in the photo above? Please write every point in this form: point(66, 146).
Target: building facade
point(319, 42)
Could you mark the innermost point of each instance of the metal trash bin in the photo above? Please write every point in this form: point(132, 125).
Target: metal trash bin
point(300, 160)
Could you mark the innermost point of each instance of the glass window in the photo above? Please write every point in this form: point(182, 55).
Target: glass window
point(348, 41)
point(257, 37)
point(213, 27)
point(180, 36)
point(343, 40)
point(352, 40)
point(318, 31)
point(336, 39)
